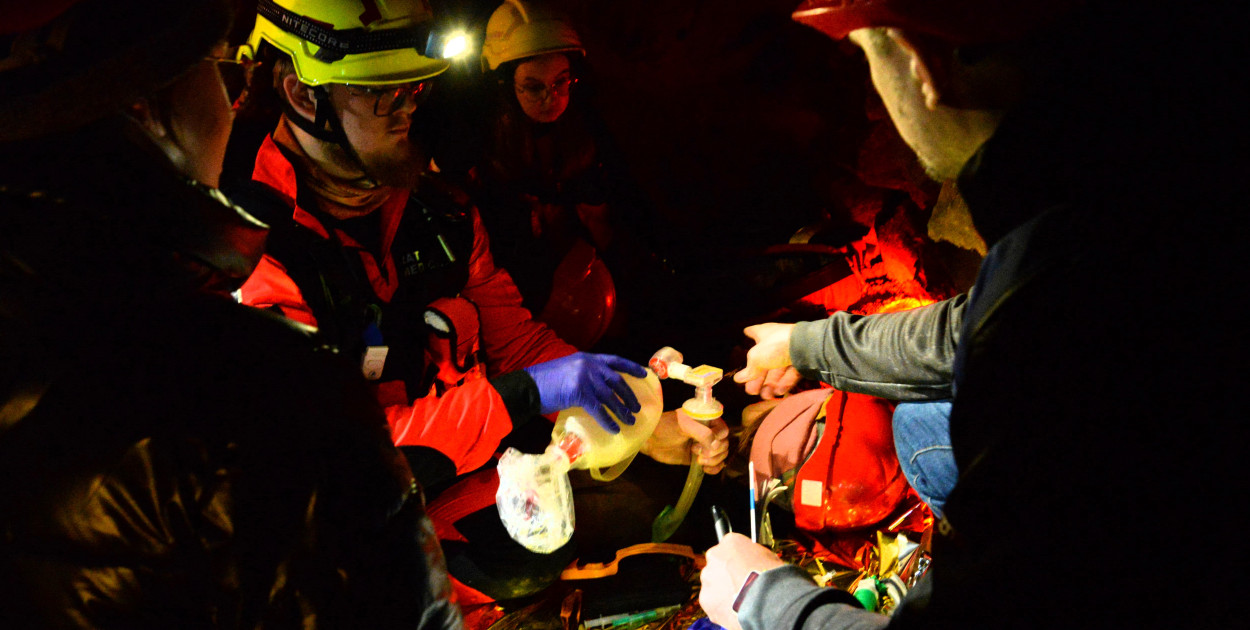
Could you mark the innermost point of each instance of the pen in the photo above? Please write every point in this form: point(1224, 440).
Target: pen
point(751, 479)
point(721, 522)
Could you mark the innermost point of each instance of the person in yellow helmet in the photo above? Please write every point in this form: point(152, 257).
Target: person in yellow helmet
point(348, 178)
point(393, 266)
point(381, 59)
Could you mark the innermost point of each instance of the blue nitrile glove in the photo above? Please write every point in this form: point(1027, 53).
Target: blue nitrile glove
point(589, 381)
point(703, 623)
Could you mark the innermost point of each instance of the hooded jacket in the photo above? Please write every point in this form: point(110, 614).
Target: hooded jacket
point(1094, 423)
point(167, 456)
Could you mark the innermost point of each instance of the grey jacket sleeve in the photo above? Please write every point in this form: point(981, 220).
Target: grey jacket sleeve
point(785, 598)
point(900, 356)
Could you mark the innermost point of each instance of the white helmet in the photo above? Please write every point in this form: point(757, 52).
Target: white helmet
point(518, 29)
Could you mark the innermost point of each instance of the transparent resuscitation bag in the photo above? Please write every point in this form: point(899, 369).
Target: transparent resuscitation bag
point(535, 499)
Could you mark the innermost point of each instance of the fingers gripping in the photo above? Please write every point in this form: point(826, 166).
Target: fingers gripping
point(590, 381)
point(607, 399)
point(622, 389)
point(622, 365)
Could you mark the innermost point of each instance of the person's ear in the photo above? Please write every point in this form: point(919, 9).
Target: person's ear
point(928, 66)
point(144, 112)
point(299, 96)
point(148, 120)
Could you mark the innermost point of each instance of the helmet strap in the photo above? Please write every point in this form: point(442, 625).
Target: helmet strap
point(327, 127)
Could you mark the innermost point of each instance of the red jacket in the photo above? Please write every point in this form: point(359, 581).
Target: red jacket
point(465, 422)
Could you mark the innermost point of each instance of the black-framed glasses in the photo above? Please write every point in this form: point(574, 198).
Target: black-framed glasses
point(536, 92)
point(236, 74)
point(387, 99)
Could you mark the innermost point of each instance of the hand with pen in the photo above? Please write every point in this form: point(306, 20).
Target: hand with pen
point(729, 563)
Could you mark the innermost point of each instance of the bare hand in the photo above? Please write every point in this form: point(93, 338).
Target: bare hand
point(776, 383)
point(728, 564)
point(678, 437)
point(768, 373)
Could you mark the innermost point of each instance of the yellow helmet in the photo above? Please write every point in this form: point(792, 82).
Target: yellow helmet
point(365, 42)
point(517, 30)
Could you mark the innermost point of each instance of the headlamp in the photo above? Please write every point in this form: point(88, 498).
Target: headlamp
point(447, 45)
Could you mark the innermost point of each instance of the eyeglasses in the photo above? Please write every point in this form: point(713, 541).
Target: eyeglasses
point(387, 99)
point(536, 92)
point(236, 74)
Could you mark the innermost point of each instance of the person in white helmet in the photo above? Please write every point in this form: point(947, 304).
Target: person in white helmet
point(547, 183)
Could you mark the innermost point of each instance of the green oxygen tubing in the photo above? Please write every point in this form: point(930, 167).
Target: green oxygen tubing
point(667, 363)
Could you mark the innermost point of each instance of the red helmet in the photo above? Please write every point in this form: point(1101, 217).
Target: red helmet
point(955, 21)
point(583, 297)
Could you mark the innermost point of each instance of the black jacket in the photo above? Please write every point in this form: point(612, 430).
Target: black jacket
point(906, 356)
point(171, 458)
point(1097, 422)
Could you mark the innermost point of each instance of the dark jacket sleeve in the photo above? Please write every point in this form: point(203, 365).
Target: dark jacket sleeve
point(786, 598)
point(900, 356)
point(373, 516)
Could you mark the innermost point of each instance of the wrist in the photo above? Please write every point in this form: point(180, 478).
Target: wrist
point(519, 394)
point(801, 334)
point(744, 589)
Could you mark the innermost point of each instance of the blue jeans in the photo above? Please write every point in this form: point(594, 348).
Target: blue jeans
point(922, 438)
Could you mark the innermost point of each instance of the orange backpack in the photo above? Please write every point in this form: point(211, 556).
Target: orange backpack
point(835, 451)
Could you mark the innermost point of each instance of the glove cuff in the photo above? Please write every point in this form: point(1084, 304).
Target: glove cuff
point(520, 395)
